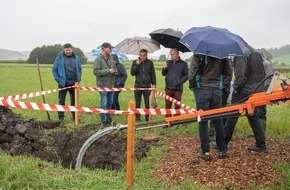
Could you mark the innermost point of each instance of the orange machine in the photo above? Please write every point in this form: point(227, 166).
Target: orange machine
point(257, 99)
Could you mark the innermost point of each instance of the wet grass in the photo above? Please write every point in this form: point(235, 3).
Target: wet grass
point(24, 172)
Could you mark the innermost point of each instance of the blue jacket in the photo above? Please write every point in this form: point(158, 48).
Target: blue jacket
point(58, 69)
point(121, 76)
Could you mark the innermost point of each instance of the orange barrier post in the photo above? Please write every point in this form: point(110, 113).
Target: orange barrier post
point(130, 146)
point(77, 103)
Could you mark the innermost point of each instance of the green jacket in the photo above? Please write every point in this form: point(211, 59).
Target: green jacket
point(102, 71)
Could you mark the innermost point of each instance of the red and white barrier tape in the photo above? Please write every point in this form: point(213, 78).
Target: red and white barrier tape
point(174, 101)
point(55, 107)
point(11, 101)
point(111, 89)
point(33, 94)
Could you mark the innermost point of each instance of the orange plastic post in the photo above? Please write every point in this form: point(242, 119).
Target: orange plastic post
point(77, 121)
point(130, 146)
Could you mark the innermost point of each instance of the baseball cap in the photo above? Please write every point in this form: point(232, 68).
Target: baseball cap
point(106, 44)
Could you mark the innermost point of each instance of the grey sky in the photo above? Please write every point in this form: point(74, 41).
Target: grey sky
point(26, 24)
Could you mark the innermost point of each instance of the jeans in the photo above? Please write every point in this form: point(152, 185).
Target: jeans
point(106, 103)
point(61, 99)
point(138, 95)
point(116, 104)
point(206, 99)
point(252, 119)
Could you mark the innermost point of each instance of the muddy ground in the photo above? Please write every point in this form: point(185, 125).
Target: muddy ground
point(51, 141)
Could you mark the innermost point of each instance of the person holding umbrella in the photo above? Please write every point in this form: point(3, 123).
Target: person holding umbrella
point(176, 74)
point(145, 76)
point(105, 71)
point(206, 81)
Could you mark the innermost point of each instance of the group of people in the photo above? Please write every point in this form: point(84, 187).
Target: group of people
point(209, 79)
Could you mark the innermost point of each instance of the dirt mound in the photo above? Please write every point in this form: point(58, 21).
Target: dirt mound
point(240, 170)
point(51, 141)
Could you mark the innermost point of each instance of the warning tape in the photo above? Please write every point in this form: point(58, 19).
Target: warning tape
point(174, 101)
point(11, 101)
point(55, 107)
point(112, 89)
point(33, 94)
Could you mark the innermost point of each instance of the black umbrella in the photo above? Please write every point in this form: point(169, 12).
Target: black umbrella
point(169, 38)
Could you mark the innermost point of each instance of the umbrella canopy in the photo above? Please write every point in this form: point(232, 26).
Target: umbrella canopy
point(134, 45)
point(212, 41)
point(121, 56)
point(169, 38)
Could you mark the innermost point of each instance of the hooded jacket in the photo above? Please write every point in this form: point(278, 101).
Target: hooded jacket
point(213, 72)
point(58, 69)
point(121, 76)
point(144, 74)
point(249, 71)
point(101, 70)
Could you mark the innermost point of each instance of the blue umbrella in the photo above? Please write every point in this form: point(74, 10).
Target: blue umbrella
point(212, 41)
point(121, 56)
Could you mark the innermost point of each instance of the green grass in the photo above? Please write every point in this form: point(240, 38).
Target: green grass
point(24, 172)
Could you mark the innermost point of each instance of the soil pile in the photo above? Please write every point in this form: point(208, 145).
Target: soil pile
point(51, 141)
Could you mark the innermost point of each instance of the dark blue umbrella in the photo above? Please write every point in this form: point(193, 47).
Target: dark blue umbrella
point(212, 41)
point(121, 56)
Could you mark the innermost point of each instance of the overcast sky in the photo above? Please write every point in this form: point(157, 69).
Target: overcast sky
point(26, 24)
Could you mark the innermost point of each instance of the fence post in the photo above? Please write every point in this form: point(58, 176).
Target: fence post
point(130, 146)
point(77, 121)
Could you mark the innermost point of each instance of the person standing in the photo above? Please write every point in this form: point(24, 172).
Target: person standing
point(66, 70)
point(249, 72)
point(120, 80)
point(105, 71)
point(262, 110)
point(176, 74)
point(145, 77)
point(206, 81)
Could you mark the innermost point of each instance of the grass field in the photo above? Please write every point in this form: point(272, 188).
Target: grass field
point(22, 172)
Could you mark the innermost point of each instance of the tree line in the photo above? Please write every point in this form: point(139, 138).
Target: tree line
point(47, 54)
point(276, 52)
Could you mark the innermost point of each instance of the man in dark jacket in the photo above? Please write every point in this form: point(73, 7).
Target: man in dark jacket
point(206, 80)
point(249, 72)
point(176, 73)
point(144, 72)
point(66, 70)
point(120, 80)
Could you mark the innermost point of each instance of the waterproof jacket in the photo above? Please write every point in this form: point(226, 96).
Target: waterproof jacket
point(101, 70)
point(249, 71)
point(144, 74)
point(121, 76)
point(176, 74)
point(213, 72)
point(268, 72)
point(58, 69)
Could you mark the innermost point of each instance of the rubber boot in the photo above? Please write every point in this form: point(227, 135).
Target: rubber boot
point(263, 124)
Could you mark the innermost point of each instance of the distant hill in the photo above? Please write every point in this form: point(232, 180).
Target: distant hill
point(13, 55)
point(283, 59)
